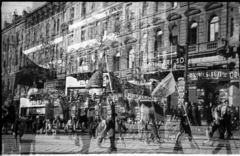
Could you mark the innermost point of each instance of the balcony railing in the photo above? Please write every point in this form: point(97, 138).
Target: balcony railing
point(205, 47)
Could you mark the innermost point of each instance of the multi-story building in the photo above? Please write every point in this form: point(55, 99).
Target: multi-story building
point(138, 38)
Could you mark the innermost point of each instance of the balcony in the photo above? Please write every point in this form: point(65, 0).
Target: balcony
point(205, 47)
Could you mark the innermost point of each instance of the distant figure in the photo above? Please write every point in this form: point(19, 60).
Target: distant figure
point(34, 127)
point(22, 128)
point(16, 128)
point(194, 114)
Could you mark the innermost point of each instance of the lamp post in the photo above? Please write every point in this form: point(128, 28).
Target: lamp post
point(186, 60)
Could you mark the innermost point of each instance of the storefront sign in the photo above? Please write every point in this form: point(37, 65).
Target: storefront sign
point(54, 84)
point(209, 75)
point(136, 96)
point(234, 75)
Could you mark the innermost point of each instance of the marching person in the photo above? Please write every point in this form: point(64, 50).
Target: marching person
point(22, 128)
point(224, 118)
point(111, 125)
point(154, 129)
point(16, 127)
point(34, 127)
point(217, 123)
point(184, 123)
point(70, 128)
point(102, 126)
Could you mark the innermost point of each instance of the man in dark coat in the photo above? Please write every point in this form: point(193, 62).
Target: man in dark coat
point(16, 127)
point(184, 124)
point(111, 125)
point(194, 114)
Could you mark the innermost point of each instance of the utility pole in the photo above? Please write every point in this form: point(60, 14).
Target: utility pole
point(186, 60)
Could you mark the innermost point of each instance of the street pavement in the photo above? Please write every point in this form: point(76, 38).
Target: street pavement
point(81, 143)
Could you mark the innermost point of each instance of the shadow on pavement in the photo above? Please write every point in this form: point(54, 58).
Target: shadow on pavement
point(221, 145)
point(178, 149)
point(86, 140)
point(12, 147)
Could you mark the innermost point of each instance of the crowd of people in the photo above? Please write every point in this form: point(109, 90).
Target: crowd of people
point(219, 117)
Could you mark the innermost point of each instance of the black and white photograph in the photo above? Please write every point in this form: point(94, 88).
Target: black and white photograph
point(120, 77)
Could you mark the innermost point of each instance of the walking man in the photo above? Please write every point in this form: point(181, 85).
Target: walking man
point(184, 124)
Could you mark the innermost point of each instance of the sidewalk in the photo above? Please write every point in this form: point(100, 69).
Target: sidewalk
point(81, 143)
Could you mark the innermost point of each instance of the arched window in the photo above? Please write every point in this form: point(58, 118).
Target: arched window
point(158, 40)
point(214, 28)
point(174, 36)
point(131, 59)
point(193, 33)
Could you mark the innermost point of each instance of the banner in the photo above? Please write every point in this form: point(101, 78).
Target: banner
point(166, 87)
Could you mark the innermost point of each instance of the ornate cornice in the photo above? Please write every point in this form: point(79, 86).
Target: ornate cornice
point(174, 16)
point(192, 11)
point(213, 5)
point(157, 21)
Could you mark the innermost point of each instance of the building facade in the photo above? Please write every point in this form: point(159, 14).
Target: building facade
point(141, 40)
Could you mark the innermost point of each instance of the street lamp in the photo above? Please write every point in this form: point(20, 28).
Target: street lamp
point(186, 60)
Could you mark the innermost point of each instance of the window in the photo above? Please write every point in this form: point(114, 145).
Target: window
point(83, 33)
point(72, 13)
point(47, 29)
point(54, 27)
point(193, 33)
point(83, 8)
point(93, 6)
point(127, 13)
point(35, 35)
point(117, 24)
point(131, 59)
point(141, 58)
point(70, 39)
point(174, 36)
point(58, 25)
point(116, 60)
point(231, 27)
point(158, 40)
point(174, 4)
point(105, 27)
point(213, 28)
point(144, 12)
point(91, 32)
point(159, 5)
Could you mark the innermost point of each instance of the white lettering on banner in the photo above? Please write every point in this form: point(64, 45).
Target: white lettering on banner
point(234, 75)
point(136, 96)
point(208, 75)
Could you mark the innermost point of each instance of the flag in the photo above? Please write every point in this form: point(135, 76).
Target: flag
point(115, 82)
point(166, 87)
point(97, 79)
point(150, 107)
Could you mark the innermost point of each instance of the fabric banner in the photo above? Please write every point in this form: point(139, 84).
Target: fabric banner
point(148, 107)
point(96, 80)
point(166, 87)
